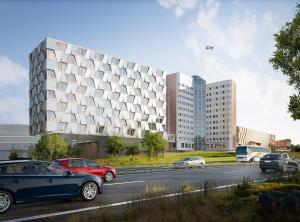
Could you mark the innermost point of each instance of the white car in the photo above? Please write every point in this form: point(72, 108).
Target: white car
point(190, 162)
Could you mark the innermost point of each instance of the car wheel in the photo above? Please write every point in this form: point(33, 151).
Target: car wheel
point(89, 191)
point(6, 201)
point(108, 176)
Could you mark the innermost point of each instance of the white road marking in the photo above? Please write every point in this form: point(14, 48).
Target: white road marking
point(112, 205)
point(229, 172)
point(137, 181)
point(122, 203)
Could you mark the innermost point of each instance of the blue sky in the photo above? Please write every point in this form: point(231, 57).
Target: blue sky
point(167, 34)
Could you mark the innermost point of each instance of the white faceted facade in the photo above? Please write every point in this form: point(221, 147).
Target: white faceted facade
point(221, 115)
point(75, 90)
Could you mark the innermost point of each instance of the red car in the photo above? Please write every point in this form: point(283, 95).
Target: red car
point(87, 166)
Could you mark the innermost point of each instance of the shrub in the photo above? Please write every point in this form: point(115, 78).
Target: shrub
point(13, 154)
point(115, 145)
point(49, 147)
point(133, 149)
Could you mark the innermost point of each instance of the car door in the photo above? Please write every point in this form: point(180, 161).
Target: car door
point(59, 184)
point(30, 186)
point(93, 167)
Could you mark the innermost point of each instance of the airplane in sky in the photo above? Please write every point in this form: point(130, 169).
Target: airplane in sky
point(209, 47)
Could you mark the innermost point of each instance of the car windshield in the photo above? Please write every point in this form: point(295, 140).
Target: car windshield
point(271, 157)
point(241, 150)
point(186, 159)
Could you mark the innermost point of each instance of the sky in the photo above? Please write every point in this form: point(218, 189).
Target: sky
point(166, 34)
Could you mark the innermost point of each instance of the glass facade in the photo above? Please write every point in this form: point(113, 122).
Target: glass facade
point(199, 86)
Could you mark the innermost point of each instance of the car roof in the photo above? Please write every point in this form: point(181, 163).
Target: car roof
point(70, 158)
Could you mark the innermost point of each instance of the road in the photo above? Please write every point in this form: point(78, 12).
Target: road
point(128, 187)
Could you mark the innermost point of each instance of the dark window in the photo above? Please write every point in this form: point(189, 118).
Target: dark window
point(89, 163)
point(76, 163)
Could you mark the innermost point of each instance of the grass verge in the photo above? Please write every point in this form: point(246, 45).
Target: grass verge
point(169, 158)
point(238, 204)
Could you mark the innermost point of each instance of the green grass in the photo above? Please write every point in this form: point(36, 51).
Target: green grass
point(209, 156)
point(295, 154)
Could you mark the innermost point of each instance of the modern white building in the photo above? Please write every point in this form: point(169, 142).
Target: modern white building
point(79, 91)
point(246, 136)
point(15, 136)
point(221, 115)
point(185, 111)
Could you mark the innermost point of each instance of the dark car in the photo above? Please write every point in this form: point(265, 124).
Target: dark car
point(87, 166)
point(32, 180)
point(274, 161)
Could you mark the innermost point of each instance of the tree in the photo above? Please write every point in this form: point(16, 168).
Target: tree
point(133, 149)
point(115, 145)
point(13, 154)
point(287, 58)
point(49, 147)
point(154, 143)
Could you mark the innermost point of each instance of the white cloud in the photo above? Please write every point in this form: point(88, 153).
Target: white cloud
point(14, 92)
point(11, 73)
point(243, 43)
point(181, 6)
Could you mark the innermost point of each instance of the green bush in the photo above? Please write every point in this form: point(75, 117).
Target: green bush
point(133, 149)
point(13, 154)
point(49, 147)
point(115, 145)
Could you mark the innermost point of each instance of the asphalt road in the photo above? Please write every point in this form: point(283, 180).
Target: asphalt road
point(128, 187)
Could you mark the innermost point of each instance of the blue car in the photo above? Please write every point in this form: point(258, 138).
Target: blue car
point(33, 180)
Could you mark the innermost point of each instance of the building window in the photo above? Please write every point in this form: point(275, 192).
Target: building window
point(131, 132)
point(90, 120)
point(81, 89)
point(81, 71)
point(62, 66)
point(61, 106)
point(51, 94)
point(51, 74)
point(61, 126)
point(70, 77)
point(72, 118)
point(99, 129)
point(71, 98)
point(99, 74)
point(61, 86)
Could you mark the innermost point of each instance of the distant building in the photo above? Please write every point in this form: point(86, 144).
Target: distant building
point(221, 115)
point(16, 137)
point(180, 111)
point(199, 87)
point(246, 136)
point(282, 144)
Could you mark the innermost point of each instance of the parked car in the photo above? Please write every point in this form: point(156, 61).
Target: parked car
point(190, 162)
point(24, 181)
point(87, 166)
point(274, 161)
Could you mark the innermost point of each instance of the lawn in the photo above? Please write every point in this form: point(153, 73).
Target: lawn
point(169, 158)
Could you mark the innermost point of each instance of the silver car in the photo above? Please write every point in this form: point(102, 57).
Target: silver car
point(190, 162)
